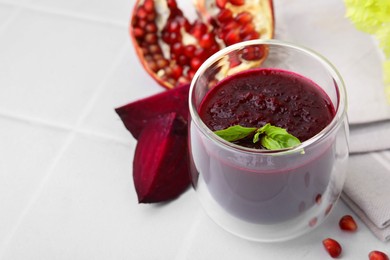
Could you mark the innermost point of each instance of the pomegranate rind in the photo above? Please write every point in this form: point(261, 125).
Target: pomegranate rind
point(263, 14)
point(160, 165)
point(137, 115)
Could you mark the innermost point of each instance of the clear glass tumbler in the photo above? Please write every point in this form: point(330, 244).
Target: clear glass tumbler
point(269, 195)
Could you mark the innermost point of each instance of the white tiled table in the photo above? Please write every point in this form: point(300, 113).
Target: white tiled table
point(66, 189)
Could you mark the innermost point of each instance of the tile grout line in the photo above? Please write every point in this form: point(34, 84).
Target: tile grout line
point(75, 15)
point(61, 152)
point(59, 126)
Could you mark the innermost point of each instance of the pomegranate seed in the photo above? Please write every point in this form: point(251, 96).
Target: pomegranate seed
point(232, 25)
point(189, 50)
point(198, 29)
point(347, 223)
point(332, 246)
point(138, 32)
point(195, 63)
point(244, 18)
point(172, 4)
point(174, 37)
point(252, 36)
point(149, 6)
point(200, 53)
point(153, 66)
point(151, 38)
point(141, 23)
point(151, 27)
point(154, 49)
point(377, 255)
point(234, 61)
point(231, 37)
point(225, 16)
point(191, 74)
point(318, 199)
point(162, 63)
point(221, 3)
point(182, 60)
point(177, 48)
point(173, 26)
point(150, 17)
point(252, 53)
point(237, 2)
point(176, 72)
point(206, 41)
point(141, 13)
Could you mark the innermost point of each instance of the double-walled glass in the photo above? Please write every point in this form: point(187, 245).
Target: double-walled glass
point(269, 195)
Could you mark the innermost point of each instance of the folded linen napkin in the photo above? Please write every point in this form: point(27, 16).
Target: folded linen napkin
point(322, 26)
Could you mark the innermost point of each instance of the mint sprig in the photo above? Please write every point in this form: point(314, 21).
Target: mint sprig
point(271, 137)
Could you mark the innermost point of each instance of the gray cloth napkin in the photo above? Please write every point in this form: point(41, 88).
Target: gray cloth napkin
point(321, 25)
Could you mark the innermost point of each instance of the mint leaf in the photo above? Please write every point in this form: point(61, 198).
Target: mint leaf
point(271, 137)
point(277, 138)
point(235, 133)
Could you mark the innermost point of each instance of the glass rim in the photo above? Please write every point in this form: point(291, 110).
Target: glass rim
point(337, 120)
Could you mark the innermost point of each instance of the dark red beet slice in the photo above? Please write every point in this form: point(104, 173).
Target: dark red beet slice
point(136, 115)
point(160, 166)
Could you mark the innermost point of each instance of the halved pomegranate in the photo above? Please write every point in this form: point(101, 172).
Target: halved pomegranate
point(171, 48)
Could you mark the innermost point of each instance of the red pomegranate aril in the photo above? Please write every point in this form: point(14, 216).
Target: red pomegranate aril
point(206, 41)
point(347, 223)
point(151, 27)
point(142, 23)
point(377, 255)
point(162, 63)
point(154, 49)
point(332, 247)
point(221, 3)
point(172, 4)
point(177, 48)
point(244, 18)
point(174, 37)
point(198, 29)
point(247, 29)
point(149, 6)
point(232, 37)
point(195, 63)
point(151, 38)
point(237, 2)
point(150, 17)
point(189, 50)
point(182, 60)
point(176, 72)
point(138, 32)
point(251, 36)
point(141, 13)
point(225, 16)
point(173, 26)
point(153, 65)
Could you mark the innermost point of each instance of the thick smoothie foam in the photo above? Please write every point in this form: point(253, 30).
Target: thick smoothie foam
point(256, 97)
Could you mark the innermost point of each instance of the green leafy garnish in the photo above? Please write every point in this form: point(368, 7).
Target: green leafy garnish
point(271, 137)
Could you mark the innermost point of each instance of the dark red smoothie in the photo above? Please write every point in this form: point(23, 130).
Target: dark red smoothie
point(265, 188)
point(256, 97)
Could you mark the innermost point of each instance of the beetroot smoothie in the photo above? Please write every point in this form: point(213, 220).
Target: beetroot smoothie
point(268, 189)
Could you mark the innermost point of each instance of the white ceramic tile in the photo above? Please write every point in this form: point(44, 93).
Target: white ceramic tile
point(26, 153)
point(128, 83)
point(211, 242)
point(118, 10)
point(89, 210)
point(5, 12)
point(50, 66)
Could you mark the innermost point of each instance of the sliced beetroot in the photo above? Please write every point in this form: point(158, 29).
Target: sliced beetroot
point(136, 115)
point(160, 166)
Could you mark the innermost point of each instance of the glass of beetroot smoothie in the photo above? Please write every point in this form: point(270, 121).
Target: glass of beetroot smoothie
point(252, 191)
